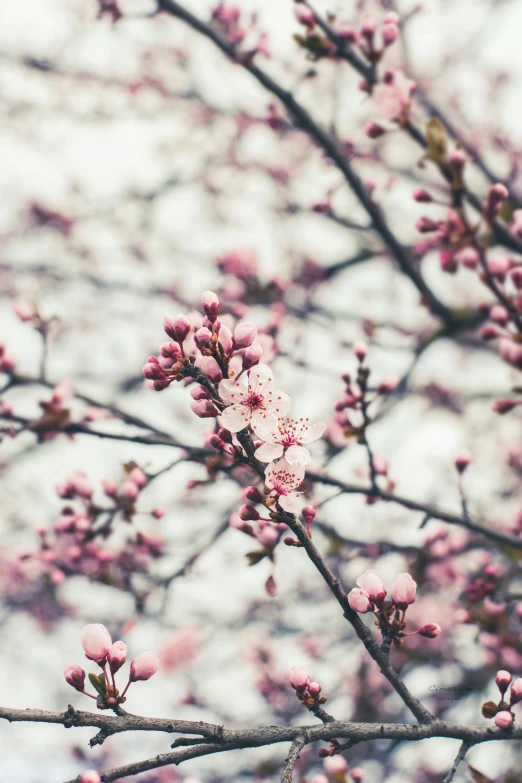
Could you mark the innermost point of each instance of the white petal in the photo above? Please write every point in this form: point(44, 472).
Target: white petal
point(262, 420)
point(297, 455)
point(313, 432)
point(289, 502)
point(260, 375)
point(231, 391)
point(269, 472)
point(280, 404)
point(268, 452)
point(235, 418)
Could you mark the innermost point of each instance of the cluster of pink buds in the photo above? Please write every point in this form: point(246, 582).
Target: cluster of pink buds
point(502, 711)
point(370, 596)
point(308, 693)
point(228, 18)
point(98, 647)
point(208, 344)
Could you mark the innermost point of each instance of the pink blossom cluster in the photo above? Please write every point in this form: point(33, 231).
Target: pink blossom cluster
point(370, 596)
point(308, 693)
point(110, 657)
point(502, 711)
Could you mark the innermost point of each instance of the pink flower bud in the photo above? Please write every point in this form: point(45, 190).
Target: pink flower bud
point(117, 656)
point(75, 676)
point(144, 666)
point(390, 33)
point(130, 490)
point(336, 765)
point(503, 680)
point(516, 277)
point(269, 535)
point(503, 719)
point(204, 409)
point(210, 304)
point(347, 34)
point(244, 335)
point(225, 338)
point(403, 591)
point(463, 459)
point(252, 494)
point(177, 328)
point(314, 689)
point(373, 130)
point(24, 312)
point(422, 196)
point(360, 350)
point(138, 477)
point(499, 315)
point(200, 393)
point(359, 601)
point(388, 385)
point(248, 513)
point(516, 691)
point(304, 15)
point(457, 158)
point(158, 512)
point(90, 776)
point(498, 192)
point(357, 775)
point(430, 630)
point(468, 257)
point(298, 678)
point(170, 351)
point(372, 584)
point(110, 487)
point(210, 367)
point(252, 355)
point(202, 337)
point(308, 513)
point(96, 641)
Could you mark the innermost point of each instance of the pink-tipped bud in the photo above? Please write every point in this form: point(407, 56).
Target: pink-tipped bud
point(226, 436)
point(252, 494)
point(204, 409)
point(117, 656)
point(144, 666)
point(202, 337)
point(269, 536)
point(130, 490)
point(503, 719)
point(388, 385)
point(516, 277)
point(225, 338)
point(499, 315)
point(359, 601)
point(422, 196)
point(430, 630)
point(90, 776)
point(498, 192)
point(357, 775)
point(304, 15)
point(373, 130)
point(200, 393)
point(372, 584)
point(360, 350)
point(248, 513)
point(298, 678)
point(314, 689)
point(75, 676)
point(244, 335)
point(403, 591)
point(96, 641)
point(457, 158)
point(308, 513)
point(347, 34)
point(210, 367)
point(210, 304)
point(216, 442)
point(463, 459)
point(252, 355)
point(390, 33)
point(138, 477)
point(516, 691)
point(158, 512)
point(110, 487)
point(177, 328)
point(424, 225)
point(503, 680)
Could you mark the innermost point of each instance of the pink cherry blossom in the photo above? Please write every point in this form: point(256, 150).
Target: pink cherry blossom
point(287, 438)
point(336, 765)
point(298, 678)
point(257, 404)
point(96, 641)
point(144, 666)
point(75, 676)
point(372, 584)
point(403, 591)
point(117, 656)
point(359, 600)
point(503, 719)
point(282, 478)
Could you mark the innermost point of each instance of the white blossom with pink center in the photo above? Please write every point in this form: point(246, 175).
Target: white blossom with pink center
point(257, 403)
point(287, 438)
point(282, 478)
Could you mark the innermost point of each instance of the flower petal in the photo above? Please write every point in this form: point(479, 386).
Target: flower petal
point(289, 502)
point(314, 432)
point(279, 405)
point(263, 419)
point(231, 391)
point(259, 377)
point(268, 452)
point(297, 455)
point(235, 418)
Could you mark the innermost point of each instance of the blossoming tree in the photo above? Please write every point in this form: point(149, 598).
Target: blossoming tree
point(349, 429)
